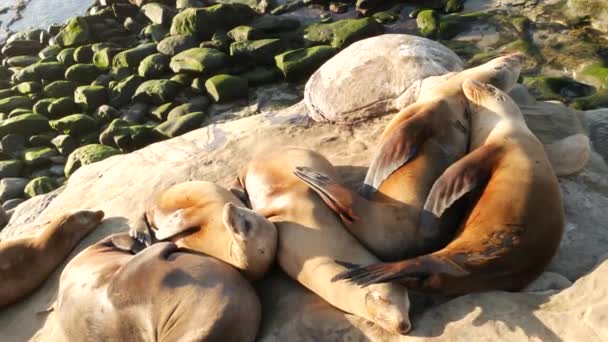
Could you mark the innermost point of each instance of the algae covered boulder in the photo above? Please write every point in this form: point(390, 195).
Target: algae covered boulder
point(75, 125)
point(26, 125)
point(10, 168)
point(181, 125)
point(77, 32)
point(36, 156)
point(21, 61)
point(26, 88)
point(260, 51)
point(153, 66)
point(59, 89)
point(428, 23)
point(48, 71)
point(132, 57)
point(556, 88)
point(66, 56)
point(128, 137)
point(121, 93)
point(21, 47)
point(86, 155)
point(13, 102)
point(224, 88)
point(173, 45)
point(343, 32)
point(42, 107)
point(156, 91)
point(82, 73)
point(65, 144)
point(204, 22)
point(91, 97)
point(199, 60)
point(104, 57)
point(63, 106)
point(300, 63)
point(40, 186)
point(12, 187)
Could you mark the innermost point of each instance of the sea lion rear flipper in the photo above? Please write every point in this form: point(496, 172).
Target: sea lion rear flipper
point(141, 231)
point(337, 196)
point(399, 147)
point(471, 171)
point(127, 243)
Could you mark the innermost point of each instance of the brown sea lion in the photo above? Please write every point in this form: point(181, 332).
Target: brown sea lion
point(208, 218)
point(25, 263)
point(417, 145)
point(311, 237)
point(515, 225)
point(115, 291)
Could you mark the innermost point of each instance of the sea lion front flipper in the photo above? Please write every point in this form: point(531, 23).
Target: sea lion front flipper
point(399, 146)
point(337, 196)
point(460, 178)
point(127, 243)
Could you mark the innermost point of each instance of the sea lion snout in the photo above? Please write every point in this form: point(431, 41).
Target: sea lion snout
point(389, 312)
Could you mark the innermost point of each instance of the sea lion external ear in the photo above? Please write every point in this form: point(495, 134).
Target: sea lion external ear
point(471, 171)
point(400, 146)
point(337, 196)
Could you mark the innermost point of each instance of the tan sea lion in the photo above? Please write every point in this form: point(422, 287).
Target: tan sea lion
point(208, 218)
point(115, 291)
point(516, 222)
point(25, 263)
point(311, 237)
point(417, 145)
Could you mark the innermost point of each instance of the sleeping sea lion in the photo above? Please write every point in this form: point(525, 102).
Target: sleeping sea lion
point(515, 225)
point(25, 263)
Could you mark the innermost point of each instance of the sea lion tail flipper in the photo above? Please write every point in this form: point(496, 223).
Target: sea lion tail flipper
point(142, 231)
point(399, 147)
point(472, 171)
point(337, 196)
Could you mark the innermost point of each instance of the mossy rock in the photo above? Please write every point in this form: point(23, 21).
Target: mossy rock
point(386, 17)
point(173, 45)
point(63, 106)
point(91, 97)
point(66, 57)
point(42, 106)
point(84, 54)
point(453, 24)
point(65, 144)
point(50, 51)
point(86, 155)
point(257, 51)
point(21, 61)
point(161, 112)
point(41, 139)
point(10, 168)
point(223, 88)
point(597, 100)
point(12, 145)
point(556, 88)
point(199, 60)
point(5, 93)
point(121, 93)
point(155, 32)
point(153, 66)
point(83, 73)
point(300, 63)
point(129, 137)
point(36, 156)
point(597, 74)
point(75, 33)
point(182, 78)
point(13, 102)
point(19, 111)
point(26, 88)
point(59, 89)
point(220, 41)
point(76, 125)
point(181, 125)
point(244, 32)
point(132, 57)
point(342, 33)
point(107, 113)
point(21, 47)
point(49, 71)
point(40, 186)
point(271, 24)
point(527, 47)
point(103, 58)
point(428, 23)
point(262, 75)
point(156, 91)
point(204, 22)
point(197, 104)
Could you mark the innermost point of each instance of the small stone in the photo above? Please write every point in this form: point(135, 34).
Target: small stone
point(301, 63)
point(10, 168)
point(91, 97)
point(181, 125)
point(65, 144)
point(156, 91)
point(12, 187)
point(86, 155)
point(82, 73)
point(76, 125)
point(223, 88)
point(59, 89)
point(40, 186)
point(26, 125)
point(200, 60)
point(154, 66)
point(62, 107)
point(36, 156)
point(338, 7)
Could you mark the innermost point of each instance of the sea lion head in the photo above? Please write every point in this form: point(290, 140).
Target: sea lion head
point(505, 70)
point(254, 239)
point(389, 309)
point(83, 220)
point(483, 96)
